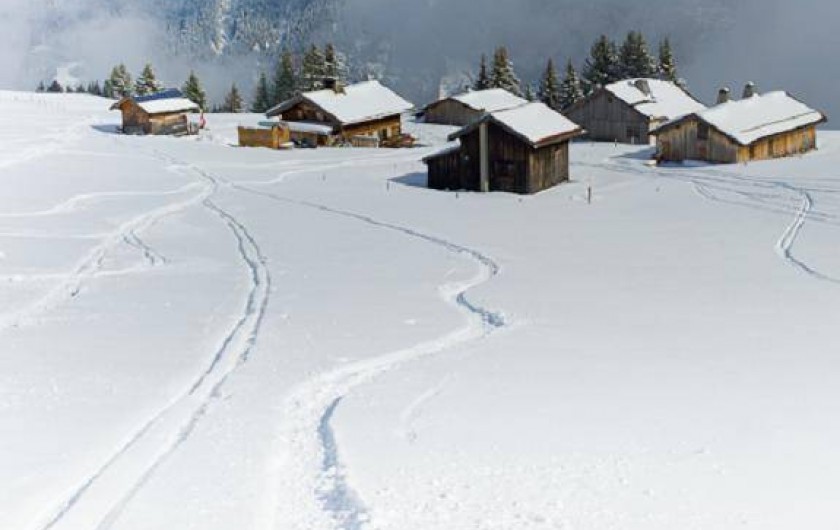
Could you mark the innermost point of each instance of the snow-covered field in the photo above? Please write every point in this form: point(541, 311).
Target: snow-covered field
point(196, 336)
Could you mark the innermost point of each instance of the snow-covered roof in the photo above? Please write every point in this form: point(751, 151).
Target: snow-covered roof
point(665, 100)
point(535, 123)
point(354, 104)
point(751, 119)
point(443, 152)
point(163, 102)
point(491, 100)
point(308, 127)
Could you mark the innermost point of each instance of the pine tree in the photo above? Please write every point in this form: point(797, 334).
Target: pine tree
point(549, 91)
point(503, 74)
point(55, 87)
point(313, 70)
point(262, 96)
point(194, 92)
point(233, 101)
point(120, 82)
point(285, 80)
point(634, 58)
point(108, 89)
point(94, 88)
point(482, 82)
point(42, 87)
point(571, 90)
point(147, 83)
point(667, 62)
point(335, 66)
point(602, 65)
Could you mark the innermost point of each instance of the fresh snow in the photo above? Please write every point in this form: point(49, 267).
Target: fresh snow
point(163, 106)
point(665, 100)
point(751, 119)
point(202, 337)
point(490, 100)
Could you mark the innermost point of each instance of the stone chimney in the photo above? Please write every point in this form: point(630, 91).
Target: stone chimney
point(749, 90)
point(723, 95)
point(643, 86)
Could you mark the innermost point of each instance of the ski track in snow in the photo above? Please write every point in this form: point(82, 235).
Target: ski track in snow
point(775, 196)
point(100, 499)
point(310, 453)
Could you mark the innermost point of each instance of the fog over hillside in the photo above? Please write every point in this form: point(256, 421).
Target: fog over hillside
point(414, 44)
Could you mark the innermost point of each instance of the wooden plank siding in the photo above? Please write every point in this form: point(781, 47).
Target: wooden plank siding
point(607, 118)
point(272, 138)
point(683, 142)
point(515, 166)
point(135, 120)
point(382, 128)
point(451, 112)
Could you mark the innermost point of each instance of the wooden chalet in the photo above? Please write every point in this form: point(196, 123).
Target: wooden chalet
point(627, 111)
point(466, 108)
point(363, 114)
point(758, 127)
point(523, 150)
point(164, 113)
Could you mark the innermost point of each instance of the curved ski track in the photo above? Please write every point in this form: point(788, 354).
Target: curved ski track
point(768, 195)
point(100, 499)
point(309, 459)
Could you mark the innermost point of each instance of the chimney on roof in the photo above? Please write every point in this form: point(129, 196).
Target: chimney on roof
point(334, 84)
point(749, 90)
point(723, 95)
point(643, 86)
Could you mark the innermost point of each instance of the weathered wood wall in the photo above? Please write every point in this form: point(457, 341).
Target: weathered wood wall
point(450, 112)
point(683, 143)
point(609, 119)
point(382, 128)
point(515, 167)
point(272, 138)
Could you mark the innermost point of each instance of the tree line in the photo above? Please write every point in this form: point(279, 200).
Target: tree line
point(607, 63)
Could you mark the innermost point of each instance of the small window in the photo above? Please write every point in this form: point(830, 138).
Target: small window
point(702, 132)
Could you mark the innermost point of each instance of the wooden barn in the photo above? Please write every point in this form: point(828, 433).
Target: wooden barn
point(627, 111)
point(523, 150)
point(466, 108)
point(164, 113)
point(362, 114)
point(759, 127)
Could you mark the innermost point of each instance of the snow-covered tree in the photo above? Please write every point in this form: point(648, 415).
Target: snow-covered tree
point(233, 101)
point(94, 88)
point(193, 91)
point(313, 70)
point(635, 59)
point(42, 87)
point(549, 91)
point(667, 62)
point(503, 74)
point(571, 90)
point(262, 96)
point(108, 89)
point(285, 80)
point(147, 83)
point(335, 64)
point(120, 82)
point(482, 82)
point(602, 65)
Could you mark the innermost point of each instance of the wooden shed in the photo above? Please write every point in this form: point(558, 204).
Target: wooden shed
point(523, 150)
point(466, 108)
point(760, 127)
point(355, 114)
point(627, 111)
point(270, 135)
point(164, 113)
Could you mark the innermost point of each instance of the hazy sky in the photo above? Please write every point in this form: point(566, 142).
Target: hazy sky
point(778, 44)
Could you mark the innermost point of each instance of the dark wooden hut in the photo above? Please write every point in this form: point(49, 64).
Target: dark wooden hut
point(523, 150)
point(627, 111)
point(758, 127)
point(164, 113)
